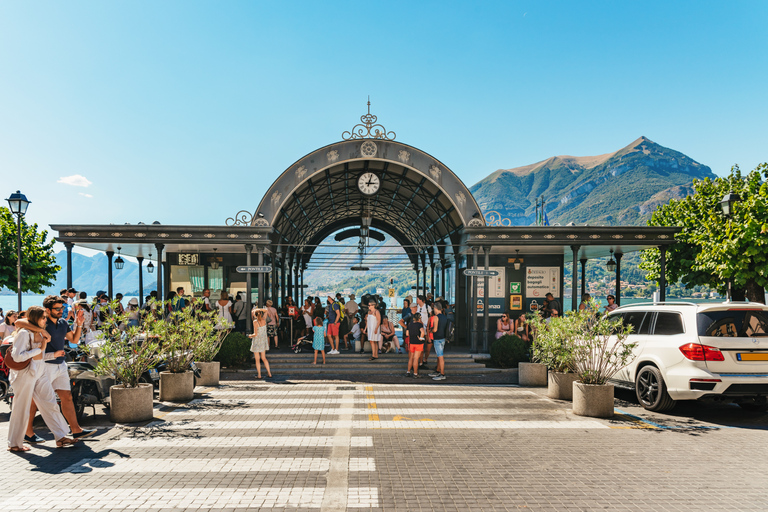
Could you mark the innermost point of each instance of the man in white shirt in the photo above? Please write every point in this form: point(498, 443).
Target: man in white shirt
point(424, 309)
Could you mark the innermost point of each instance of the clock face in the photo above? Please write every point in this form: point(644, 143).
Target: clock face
point(368, 183)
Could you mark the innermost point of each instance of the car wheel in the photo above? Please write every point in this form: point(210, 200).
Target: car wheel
point(651, 390)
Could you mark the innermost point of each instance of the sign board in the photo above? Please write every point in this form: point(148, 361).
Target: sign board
point(495, 306)
point(542, 280)
point(480, 272)
point(254, 270)
point(515, 302)
point(189, 259)
point(516, 288)
point(391, 292)
point(496, 284)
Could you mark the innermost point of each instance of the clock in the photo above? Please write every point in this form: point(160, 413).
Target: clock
point(368, 183)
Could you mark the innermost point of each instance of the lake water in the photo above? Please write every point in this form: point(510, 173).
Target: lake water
point(12, 301)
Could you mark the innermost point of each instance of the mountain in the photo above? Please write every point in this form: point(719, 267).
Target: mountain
point(623, 187)
point(89, 274)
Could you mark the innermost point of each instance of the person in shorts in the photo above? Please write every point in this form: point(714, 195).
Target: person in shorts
point(440, 322)
point(273, 322)
point(416, 337)
point(334, 319)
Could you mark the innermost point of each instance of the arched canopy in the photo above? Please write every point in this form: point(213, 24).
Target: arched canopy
point(421, 203)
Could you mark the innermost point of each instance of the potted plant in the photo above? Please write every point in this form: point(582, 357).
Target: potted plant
point(599, 351)
point(533, 374)
point(554, 349)
point(126, 352)
point(178, 331)
point(208, 338)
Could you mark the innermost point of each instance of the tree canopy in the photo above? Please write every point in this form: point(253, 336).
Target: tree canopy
point(712, 249)
point(38, 262)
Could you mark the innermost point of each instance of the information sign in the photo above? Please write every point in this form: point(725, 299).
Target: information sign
point(255, 270)
point(542, 280)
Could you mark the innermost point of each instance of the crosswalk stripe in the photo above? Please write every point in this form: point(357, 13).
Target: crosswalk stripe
point(189, 498)
point(362, 424)
point(239, 442)
point(315, 411)
point(116, 463)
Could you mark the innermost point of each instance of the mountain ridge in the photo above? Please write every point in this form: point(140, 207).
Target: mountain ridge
point(603, 189)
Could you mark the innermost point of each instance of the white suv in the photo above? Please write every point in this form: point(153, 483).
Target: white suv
point(689, 351)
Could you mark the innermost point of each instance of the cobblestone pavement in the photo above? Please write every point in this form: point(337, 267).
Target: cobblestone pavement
point(296, 445)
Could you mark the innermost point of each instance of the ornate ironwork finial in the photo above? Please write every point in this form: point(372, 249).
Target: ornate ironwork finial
point(369, 128)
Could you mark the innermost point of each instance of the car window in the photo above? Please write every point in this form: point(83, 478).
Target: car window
point(636, 319)
point(733, 323)
point(668, 324)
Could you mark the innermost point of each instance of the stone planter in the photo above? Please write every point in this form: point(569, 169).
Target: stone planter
point(560, 385)
point(130, 405)
point(209, 374)
point(594, 400)
point(532, 375)
point(177, 387)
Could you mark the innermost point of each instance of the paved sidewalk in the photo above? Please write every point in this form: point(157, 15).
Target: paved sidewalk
point(402, 447)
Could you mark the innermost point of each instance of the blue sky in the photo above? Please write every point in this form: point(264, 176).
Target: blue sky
point(186, 111)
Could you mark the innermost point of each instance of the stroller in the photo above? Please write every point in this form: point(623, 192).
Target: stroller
point(303, 344)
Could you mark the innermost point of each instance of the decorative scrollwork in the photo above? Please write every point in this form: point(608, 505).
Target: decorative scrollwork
point(369, 129)
point(475, 223)
point(243, 218)
point(494, 218)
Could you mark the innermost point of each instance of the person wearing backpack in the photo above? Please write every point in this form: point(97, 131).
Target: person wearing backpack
point(334, 320)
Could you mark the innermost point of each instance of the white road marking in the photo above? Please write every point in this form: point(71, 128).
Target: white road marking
point(239, 442)
point(117, 464)
point(336, 492)
point(316, 411)
point(362, 424)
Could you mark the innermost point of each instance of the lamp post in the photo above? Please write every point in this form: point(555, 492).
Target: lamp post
point(727, 204)
point(18, 203)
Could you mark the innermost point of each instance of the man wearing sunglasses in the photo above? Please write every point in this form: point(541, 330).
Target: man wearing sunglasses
point(56, 367)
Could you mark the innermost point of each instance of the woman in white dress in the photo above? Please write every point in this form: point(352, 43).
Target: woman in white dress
point(373, 329)
point(306, 311)
point(260, 343)
point(32, 382)
point(224, 305)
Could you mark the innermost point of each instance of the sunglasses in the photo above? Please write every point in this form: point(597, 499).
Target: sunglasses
point(57, 309)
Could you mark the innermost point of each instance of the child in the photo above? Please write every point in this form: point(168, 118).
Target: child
point(355, 333)
point(318, 342)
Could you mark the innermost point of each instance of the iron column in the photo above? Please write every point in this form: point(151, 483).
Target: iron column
point(618, 256)
point(160, 248)
point(473, 281)
point(583, 262)
point(663, 273)
point(260, 259)
point(486, 300)
point(140, 259)
point(248, 290)
point(69, 246)
point(574, 277)
point(109, 274)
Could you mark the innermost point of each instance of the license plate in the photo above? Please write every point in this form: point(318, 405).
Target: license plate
point(752, 357)
point(153, 374)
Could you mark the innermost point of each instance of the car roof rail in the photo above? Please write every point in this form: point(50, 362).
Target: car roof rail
point(661, 303)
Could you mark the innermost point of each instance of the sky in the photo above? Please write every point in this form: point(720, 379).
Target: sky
point(184, 112)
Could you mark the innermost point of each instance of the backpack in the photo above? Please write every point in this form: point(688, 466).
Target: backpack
point(342, 309)
point(449, 330)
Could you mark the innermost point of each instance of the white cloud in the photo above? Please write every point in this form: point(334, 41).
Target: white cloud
point(85, 195)
point(75, 180)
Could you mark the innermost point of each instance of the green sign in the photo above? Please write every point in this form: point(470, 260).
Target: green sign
point(515, 288)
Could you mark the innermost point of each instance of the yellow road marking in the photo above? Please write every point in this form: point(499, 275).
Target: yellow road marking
point(373, 417)
point(638, 423)
point(401, 418)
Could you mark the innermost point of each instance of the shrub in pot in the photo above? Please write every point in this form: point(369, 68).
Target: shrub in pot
point(554, 349)
point(209, 342)
point(508, 351)
point(599, 351)
point(127, 352)
point(180, 332)
point(534, 373)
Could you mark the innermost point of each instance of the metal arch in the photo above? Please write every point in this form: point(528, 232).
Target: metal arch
point(274, 200)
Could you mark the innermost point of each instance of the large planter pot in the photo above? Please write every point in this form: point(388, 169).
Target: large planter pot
point(130, 405)
point(560, 385)
point(594, 400)
point(209, 374)
point(177, 387)
point(532, 374)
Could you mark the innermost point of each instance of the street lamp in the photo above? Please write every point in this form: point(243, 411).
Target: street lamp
point(611, 265)
point(119, 262)
point(150, 266)
point(18, 203)
point(517, 259)
point(728, 202)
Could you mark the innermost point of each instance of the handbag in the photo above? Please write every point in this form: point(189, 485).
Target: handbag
point(10, 362)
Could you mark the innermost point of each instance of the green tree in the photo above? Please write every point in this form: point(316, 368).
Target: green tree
point(38, 262)
point(712, 249)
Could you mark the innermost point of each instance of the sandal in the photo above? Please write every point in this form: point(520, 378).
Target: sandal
point(64, 442)
point(373, 359)
point(18, 448)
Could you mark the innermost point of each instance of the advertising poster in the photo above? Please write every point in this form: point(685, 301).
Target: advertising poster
point(542, 280)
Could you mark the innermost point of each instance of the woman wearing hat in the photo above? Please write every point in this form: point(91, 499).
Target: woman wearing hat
point(133, 312)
